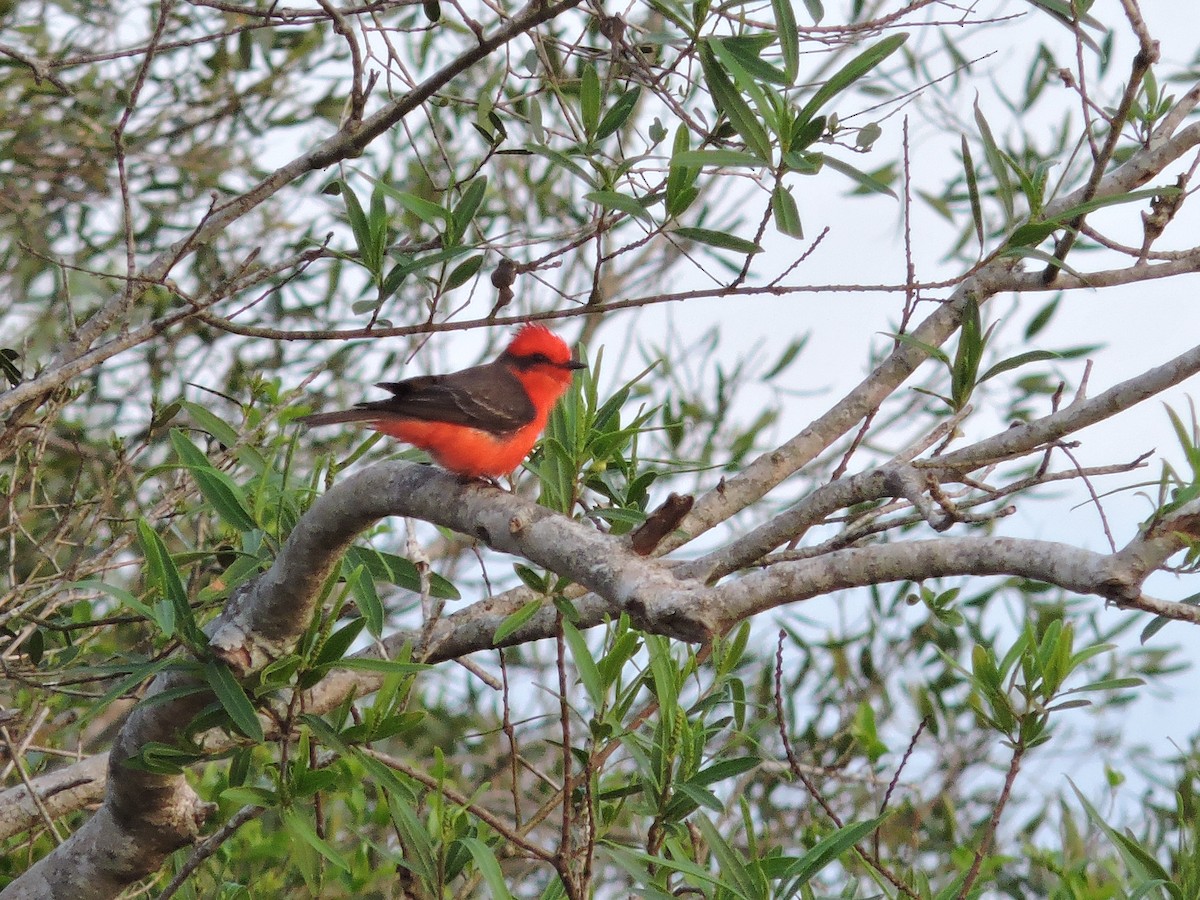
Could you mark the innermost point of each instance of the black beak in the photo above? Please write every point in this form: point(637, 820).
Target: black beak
point(572, 364)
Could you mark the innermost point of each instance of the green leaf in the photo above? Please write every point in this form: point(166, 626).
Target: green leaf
point(377, 219)
point(163, 759)
point(489, 868)
point(218, 488)
point(1082, 209)
point(996, 163)
point(585, 663)
point(398, 571)
point(789, 38)
point(826, 851)
point(619, 113)
point(1109, 684)
point(358, 222)
point(420, 852)
point(339, 642)
point(1041, 256)
point(790, 352)
point(679, 176)
point(468, 206)
point(299, 827)
point(870, 182)
point(732, 866)
point(233, 699)
point(745, 52)
point(428, 212)
point(718, 239)
point(589, 101)
point(787, 215)
point(724, 769)
point(214, 425)
point(244, 795)
point(1032, 233)
point(1042, 317)
point(464, 272)
point(729, 101)
point(162, 573)
point(1066, 13)
point(816, 10)
point(637, 863)
point(620, 203)
point(1140, 861)
point(722, 158)
point(362, 585)
point(743, 80)
point(973, 190)
point(1014, 362)
point(515, 621)
point(928, 349)
point(558, 159)
point(386, 666)
point(852, 72)
point(8, 366)
point(119, 594)
point(689, 797)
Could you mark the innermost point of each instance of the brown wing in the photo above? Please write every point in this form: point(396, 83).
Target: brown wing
point(488, 397)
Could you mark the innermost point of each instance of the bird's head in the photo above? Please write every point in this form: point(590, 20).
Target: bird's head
point(536, 351)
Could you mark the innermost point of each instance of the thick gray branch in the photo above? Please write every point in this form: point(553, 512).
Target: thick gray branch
point(884, 481)
point(146, 816)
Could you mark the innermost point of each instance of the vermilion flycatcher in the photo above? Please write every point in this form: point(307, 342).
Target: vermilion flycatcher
point(480, 422)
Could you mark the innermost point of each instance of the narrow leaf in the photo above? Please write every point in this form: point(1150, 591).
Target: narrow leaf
point(358, 221)
point(386, 666)
point(1096, 203)
point(830, 848)
point(233, 699)
point(722, 158)
point(218, 488)
point(930, 350)
point(620, 203)
point(973, 191)
point(464, 272)
point(787, 215)
point(731, 863)
point(558, 159)
point(299, 827)
point(585, 663)
point(362, 585)
point(213, 424)
point(729, 101)
point(870, 182)
point(489, 868)
point(852, 72)
point(718, 239)
point(514, 621)
point(996, 163)
point(789, 38)
point(747, 54)
point(1014, 362)
point(428, 212)
point(618, 114)
point(162, 573)
point(468, 206)
point(589, 101)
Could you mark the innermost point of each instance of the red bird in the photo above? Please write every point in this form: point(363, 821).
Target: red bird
point(480, 422)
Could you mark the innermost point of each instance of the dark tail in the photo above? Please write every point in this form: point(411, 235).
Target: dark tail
point(340, 417)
